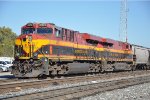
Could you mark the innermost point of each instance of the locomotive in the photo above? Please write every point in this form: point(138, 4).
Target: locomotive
point(44, 49)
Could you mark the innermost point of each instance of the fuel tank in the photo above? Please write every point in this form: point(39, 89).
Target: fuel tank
point(74, 68)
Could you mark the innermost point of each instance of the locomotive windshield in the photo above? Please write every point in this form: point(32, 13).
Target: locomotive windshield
point(28, 30)
point(44, 30)
point(38, 30)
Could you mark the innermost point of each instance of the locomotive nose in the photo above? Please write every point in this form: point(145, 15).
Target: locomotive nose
point(27, 46)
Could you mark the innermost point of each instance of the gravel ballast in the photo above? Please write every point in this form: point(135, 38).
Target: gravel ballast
point(131, 92)
point(137, 92)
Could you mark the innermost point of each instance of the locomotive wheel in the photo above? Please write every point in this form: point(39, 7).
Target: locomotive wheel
point(102, 71)
point(42, 76)
point(145, 67)
point(133, 68)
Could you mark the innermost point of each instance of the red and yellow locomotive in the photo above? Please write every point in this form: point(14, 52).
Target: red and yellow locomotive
point(46, 49)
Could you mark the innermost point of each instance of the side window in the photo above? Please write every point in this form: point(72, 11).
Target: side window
point(130, 46)
point(4, 63)
point(58, 33)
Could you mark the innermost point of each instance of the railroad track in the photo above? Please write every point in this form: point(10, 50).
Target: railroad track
point(11, 80)
point(7, 80)
point(79, 91)
point(17, 85)
point(20, 85)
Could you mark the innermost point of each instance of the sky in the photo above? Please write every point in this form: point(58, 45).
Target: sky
point(97, 17)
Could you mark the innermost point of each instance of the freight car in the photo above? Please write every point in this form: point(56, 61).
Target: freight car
point(46, 49)
point(141, 56)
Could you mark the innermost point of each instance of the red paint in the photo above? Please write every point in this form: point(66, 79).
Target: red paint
point(80, 38)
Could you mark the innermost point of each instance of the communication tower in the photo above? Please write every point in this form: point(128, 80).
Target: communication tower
point(123, 21)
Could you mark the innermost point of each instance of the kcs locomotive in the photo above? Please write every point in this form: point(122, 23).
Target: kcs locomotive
point(46, 49)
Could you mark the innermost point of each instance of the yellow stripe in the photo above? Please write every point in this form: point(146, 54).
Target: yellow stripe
point(79, 58)
point(40, 42)
point(24, 57)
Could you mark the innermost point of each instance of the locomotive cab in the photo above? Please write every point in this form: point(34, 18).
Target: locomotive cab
point(32, 46)
point(30, 33)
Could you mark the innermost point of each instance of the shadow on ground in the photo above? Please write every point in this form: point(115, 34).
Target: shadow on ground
point(4, 75)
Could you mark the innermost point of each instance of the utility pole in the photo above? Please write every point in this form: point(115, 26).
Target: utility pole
point(123, 21)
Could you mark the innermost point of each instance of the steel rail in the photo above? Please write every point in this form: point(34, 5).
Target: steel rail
point(79, 91)
point(19, 85)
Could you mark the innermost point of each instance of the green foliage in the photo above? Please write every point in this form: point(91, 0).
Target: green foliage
point(7, 40)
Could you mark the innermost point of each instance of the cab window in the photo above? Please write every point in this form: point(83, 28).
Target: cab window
point(28, 30)
point(44, 30)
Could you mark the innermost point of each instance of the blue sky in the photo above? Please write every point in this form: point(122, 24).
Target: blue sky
point(101, 18)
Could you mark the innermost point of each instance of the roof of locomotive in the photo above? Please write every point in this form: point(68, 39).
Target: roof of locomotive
point(87, 35)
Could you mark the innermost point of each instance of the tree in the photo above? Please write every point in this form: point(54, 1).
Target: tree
point(7, 40)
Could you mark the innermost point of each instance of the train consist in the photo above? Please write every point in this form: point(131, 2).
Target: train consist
point(46, 49)
point(142, 57)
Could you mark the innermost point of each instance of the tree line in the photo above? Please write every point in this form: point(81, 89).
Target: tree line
point(7, 41)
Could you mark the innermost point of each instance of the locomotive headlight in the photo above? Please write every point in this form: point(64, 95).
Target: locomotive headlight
point(17, 55)
point(35, 55)
point(31, 60)
point(30, 38)
point(46, 59)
